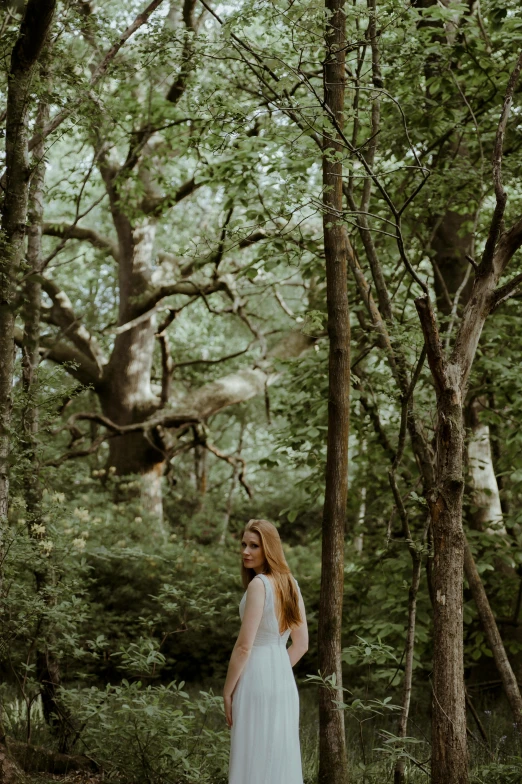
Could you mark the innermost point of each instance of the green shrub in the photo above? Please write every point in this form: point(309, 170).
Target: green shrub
point(153, 734)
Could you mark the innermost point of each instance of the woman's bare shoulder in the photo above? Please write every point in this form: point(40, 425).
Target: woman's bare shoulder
point(256, 587)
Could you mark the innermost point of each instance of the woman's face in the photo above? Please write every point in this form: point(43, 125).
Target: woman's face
point(252, 550)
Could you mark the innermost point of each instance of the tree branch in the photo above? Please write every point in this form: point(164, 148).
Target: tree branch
point(234, 460)
point(146, 307)
point(510, 241)
point(500, 194)
point(435, 353)
point(66, 231)
point(154, 207)
point(72, 454)
point(176, 365)
point(62, 315)
point(179, 85)
point(76, 363)
point(165, 419)
point(506, 291)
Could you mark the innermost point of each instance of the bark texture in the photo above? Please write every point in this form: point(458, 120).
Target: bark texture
point(332, 744)
point(485, 495)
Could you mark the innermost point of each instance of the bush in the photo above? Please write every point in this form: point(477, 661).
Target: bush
point(153, 734)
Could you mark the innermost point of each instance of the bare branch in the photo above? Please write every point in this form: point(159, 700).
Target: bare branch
point(176, 365)
point(165, 419)
point(256, 236)
point(472, 262)
point(506, 291)
point(188, 288)
point(72, 454)
point(371, 254)
point(282, 303)
point(62, 315)
point(234, 460)
point(75, 362)
point(66, 231)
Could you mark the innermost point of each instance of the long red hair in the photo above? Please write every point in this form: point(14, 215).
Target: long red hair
point(285, 589)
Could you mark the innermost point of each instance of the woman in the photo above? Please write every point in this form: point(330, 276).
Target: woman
point(260, 694)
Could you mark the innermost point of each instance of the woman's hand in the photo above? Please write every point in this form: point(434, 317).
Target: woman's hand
point(228, 709)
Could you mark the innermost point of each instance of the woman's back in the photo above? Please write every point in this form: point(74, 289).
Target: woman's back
point(268, 632)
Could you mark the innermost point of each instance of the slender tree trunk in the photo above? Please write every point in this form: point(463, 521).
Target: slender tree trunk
point(233, 485)
point(332, 743)
point(402, 731)
point(509, 682)
point(47, 665)
point(34, 29)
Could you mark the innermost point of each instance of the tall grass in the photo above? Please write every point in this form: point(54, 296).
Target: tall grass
point(495, 761)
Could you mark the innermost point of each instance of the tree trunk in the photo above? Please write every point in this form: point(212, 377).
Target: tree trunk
point(125, 392)
point(485, 495)
point(47, 665)
point(449, 744)
point(509, 682)
point(36, 23)
point(332, 743)
point(126, 398)
point(398, 776)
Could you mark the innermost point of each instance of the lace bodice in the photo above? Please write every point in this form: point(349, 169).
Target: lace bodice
point(268, 631)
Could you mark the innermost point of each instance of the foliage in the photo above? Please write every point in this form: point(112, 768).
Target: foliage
point(150, 733)
point(155, 604)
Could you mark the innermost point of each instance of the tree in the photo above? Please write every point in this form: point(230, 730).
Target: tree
point(332, 745)
point(34, 30)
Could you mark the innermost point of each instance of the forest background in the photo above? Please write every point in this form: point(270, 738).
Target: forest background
point(168, 233)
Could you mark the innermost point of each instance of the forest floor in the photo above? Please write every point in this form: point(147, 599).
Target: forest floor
point(495, 758)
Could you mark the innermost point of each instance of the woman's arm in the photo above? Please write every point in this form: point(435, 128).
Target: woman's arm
point(255, 602)
point(299, 636)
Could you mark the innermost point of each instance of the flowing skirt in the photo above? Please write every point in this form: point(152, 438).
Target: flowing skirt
point(265, 721)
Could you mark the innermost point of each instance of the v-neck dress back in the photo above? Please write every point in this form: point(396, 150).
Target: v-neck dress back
point(265, 708)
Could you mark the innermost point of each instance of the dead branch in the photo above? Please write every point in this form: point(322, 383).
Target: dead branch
point(233, 460)
point(72, 454)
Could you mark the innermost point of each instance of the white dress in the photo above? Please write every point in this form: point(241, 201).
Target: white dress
point(265, 708)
